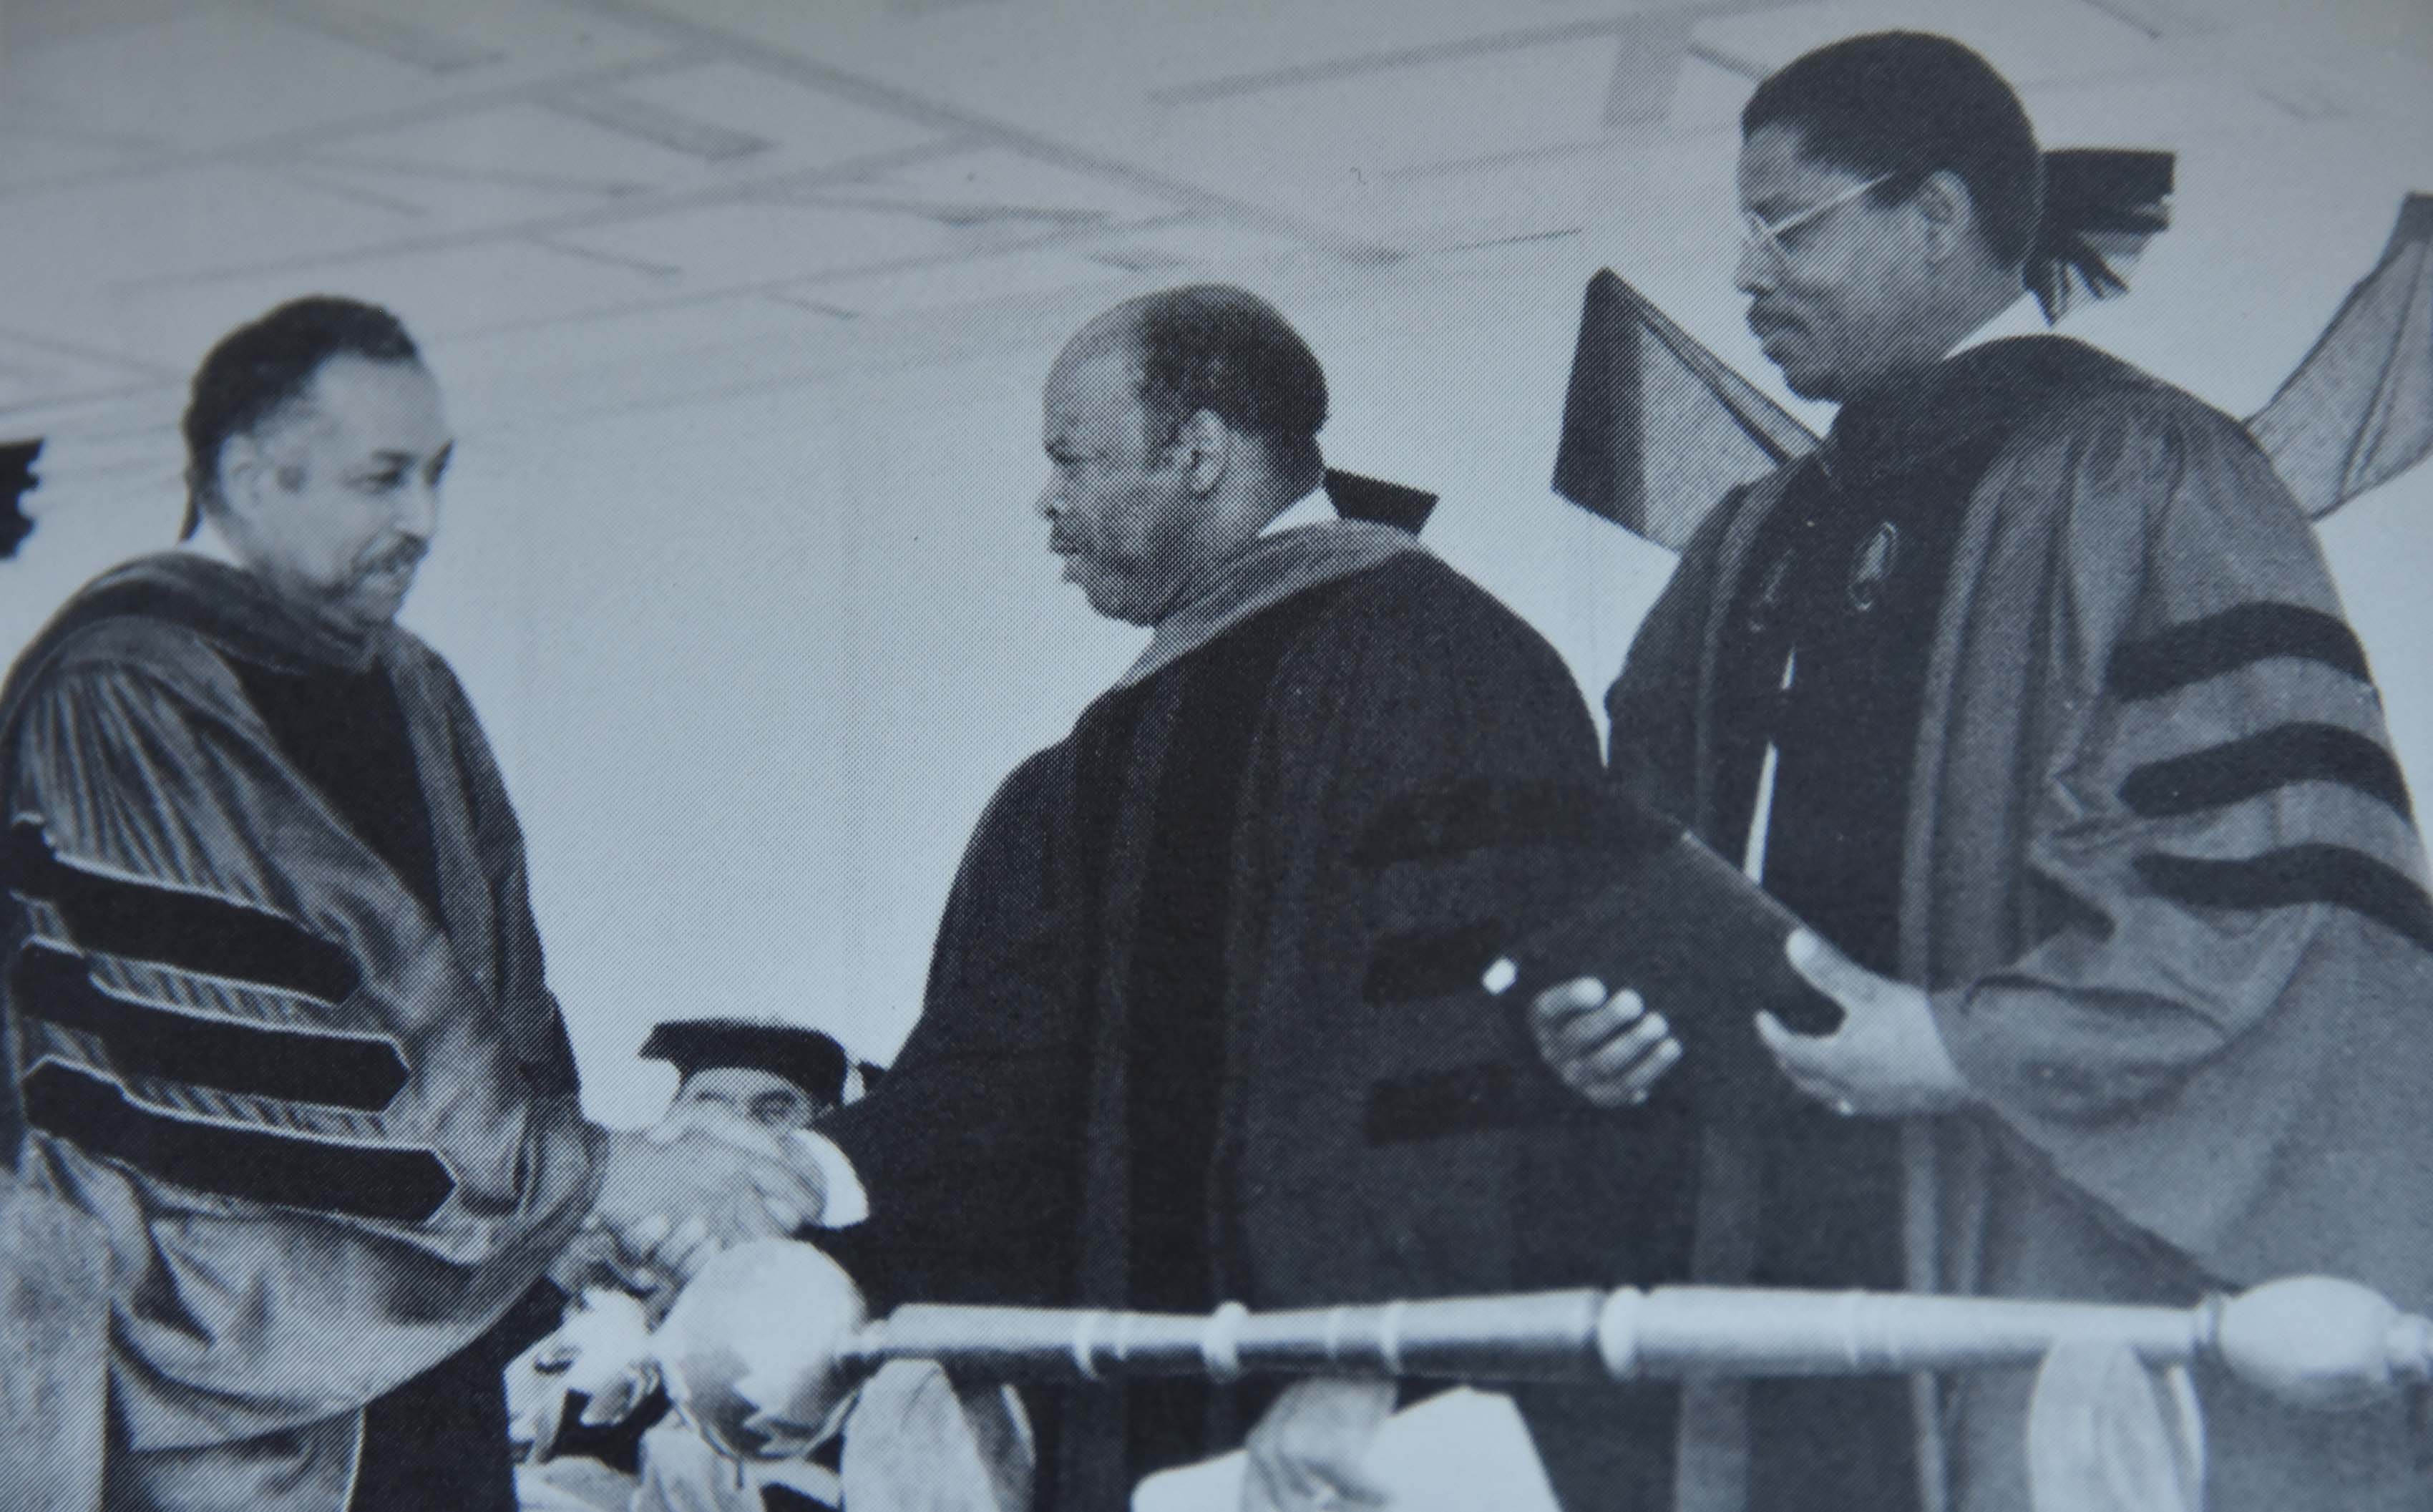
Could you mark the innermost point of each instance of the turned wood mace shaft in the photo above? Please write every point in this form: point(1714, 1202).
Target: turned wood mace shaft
point(2309, 1340)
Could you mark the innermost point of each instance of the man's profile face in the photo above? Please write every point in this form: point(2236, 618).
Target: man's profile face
point(762, 1096)
point(1120, 509)
point(1829, 297)
point(342, 498)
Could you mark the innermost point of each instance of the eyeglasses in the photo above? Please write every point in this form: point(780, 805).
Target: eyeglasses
point(1758, 234)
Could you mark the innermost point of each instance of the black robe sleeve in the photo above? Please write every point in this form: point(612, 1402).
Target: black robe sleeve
point(972, 1144)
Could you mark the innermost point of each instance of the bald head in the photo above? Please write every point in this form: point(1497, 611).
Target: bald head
point(1176, 426)
point(1225, 350)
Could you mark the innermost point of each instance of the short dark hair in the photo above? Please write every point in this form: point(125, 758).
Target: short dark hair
point(1911, 104)
point(1215, 347)
point(263, 365)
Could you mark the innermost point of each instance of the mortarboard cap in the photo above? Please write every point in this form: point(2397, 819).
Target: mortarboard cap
point(1355, 497)
point(805, 1056)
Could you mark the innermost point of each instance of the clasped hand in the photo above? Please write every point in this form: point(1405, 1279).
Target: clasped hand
point(1887, 1059)
point(675, 1195)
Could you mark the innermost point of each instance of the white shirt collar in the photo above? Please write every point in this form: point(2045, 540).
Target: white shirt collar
point(207, 542)
point(2022, 317)
point(1313, 508)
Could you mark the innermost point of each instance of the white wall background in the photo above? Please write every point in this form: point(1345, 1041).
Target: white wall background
point(755, 662)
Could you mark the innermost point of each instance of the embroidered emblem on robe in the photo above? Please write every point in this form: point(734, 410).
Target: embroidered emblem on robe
point(1871, 567)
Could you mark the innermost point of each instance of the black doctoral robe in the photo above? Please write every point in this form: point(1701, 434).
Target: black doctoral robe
point(1203, 1020)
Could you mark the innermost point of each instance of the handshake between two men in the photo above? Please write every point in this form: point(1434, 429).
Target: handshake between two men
point(677, 1193)
point(671, 1197)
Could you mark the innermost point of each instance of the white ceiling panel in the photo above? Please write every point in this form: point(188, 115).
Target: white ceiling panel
point(523, 145)
point(979, 280)
point(810, 127)
point(720, 246)
point(442, 200)
point(32, 375)
point(1194, 244)
point(623, 338)
point(1709, 97)
point(172, 82)
point(90, 237)
point(999, 179)
point(437, 293)
point(516, 41)
point(1321, 130)
point(28, 25)
point(2029, 43)
point(606, 181)
point(30, 160)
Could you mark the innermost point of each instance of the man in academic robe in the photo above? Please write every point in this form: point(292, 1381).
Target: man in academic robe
point(2030, 692)
point(1202, 1023)
point(273, 987)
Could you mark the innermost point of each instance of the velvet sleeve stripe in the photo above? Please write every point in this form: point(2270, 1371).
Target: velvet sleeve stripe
point(1469, 1099)
point(1479, 814)
point(173, 927)
point(377, 1182)
point(2235, 771)
point(2298, 874)
point(2224, 643)
point(145, 1039)
point(1432, 962)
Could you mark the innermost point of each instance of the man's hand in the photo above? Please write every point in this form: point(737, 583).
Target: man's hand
point(601, 1352)
point(1305, 1456)
point(669, 1192)
point(1609, 1050)
point(1886, 1061)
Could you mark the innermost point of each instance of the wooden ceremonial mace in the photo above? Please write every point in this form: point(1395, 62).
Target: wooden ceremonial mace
point(764, 1349)
point(2308, 1341)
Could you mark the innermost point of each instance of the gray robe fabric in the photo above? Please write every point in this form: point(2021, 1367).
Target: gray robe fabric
point(280, 1253)
point(2174, 933)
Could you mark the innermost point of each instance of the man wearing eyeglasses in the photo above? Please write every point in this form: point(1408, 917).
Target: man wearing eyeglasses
point(2030, 692)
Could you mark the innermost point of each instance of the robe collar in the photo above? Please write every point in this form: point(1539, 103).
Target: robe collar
point(1956, 403)
point(227, 606)
point(1269, 571)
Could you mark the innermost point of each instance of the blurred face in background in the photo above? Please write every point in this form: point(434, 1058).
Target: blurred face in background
point(761, 1097)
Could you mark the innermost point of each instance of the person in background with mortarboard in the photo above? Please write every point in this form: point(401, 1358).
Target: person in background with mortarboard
point(776, 1077)
point(779, 1076)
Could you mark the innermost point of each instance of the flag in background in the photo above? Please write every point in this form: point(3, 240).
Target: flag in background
point(1657, 429)
point(17, 479)
point(2358, 410)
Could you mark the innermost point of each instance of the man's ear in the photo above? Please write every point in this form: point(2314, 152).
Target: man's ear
point(1950, 211)
point(243, 472)
point(1206, 439)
